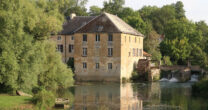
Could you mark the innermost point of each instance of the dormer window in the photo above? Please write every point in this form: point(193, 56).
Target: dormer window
point(99, 28)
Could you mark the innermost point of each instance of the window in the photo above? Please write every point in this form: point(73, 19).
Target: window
point(135, 39)
point(84, 65)
point(97, 66)
point(99, 28)
point(129, 39)
point(140, 53)
point(110, 37)
point(125, 38)
point(129, 54)
point(72, 38)
point(85, 38)
point(97, 37)
point(59, 38)
point(84, 52)
point(110, 66)
point(137, 52)
point(110, 51)
point(71, 48)
point(60, 48)
point(133, 51)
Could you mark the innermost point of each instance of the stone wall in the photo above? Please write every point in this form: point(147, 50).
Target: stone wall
point(154, 74)
point(65, 40)
point(97, 52)
point(129, 59)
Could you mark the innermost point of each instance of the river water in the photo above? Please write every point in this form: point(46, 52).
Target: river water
point(134, 96)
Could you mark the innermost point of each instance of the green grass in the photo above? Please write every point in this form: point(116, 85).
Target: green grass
point(13, 102)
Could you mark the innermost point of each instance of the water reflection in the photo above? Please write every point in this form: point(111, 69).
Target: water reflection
point(106, 97)
point(139, 96)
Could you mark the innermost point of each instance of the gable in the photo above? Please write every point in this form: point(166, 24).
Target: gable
point(100, 24)
point(108, 23)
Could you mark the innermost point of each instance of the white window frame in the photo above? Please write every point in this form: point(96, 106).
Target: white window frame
point(97, 38)
point(60, 48)
point(59, 38)
point(71, 47)
point(97, 65)
point(84, 65)
point(84, 51)
point(110, 52)
point(110, 66)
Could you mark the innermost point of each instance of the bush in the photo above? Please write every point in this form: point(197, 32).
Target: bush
point(201, 88)
point(139, 77)
point(166, 61)
point(44, 99)
point(70, 63)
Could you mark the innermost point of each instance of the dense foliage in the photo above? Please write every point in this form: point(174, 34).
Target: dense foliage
point(27, 59)
point(44, 100)
point(201, 88)
point(167, 32)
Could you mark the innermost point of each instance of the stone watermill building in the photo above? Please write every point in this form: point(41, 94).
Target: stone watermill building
point(104, 47)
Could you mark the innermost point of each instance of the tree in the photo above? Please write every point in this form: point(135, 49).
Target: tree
point(126, 11)
point(203, 27)
point(178, 49)
point(151, 45)
point(114, 6)
point(94, 11)
point(136, 22)
point(24, 49)
point(180, 12)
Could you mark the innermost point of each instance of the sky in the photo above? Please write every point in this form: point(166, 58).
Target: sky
point(196, 10)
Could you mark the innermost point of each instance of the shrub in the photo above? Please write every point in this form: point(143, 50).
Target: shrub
point(201, 88)
point(44, 99)
point(139, 77)
point(166, 61)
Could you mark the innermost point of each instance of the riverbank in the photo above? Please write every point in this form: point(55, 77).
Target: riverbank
point(15, 102)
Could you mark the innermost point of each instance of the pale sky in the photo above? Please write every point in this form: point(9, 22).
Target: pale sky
point(196, 10)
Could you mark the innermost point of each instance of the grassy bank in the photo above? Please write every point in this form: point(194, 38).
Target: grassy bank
point(8, 102)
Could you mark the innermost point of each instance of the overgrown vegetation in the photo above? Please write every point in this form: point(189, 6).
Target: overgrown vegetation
point(28, 59)
point(168, 31)
point(201, 88)
point(139, 76)
point(44, 99)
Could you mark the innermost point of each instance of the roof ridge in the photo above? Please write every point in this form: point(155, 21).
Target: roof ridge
point(112, 20)
point(85, 16)
point(120, 20)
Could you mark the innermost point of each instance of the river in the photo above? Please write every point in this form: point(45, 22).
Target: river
point(134, 96)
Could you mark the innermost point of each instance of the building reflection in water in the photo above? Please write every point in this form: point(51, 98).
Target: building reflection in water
point(106, 97)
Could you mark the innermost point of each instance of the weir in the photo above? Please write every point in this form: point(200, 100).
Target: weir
point(175, 73)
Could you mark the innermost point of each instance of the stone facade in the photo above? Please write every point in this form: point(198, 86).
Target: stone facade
point(105, 48)
point(125, 54)
point(67, 43)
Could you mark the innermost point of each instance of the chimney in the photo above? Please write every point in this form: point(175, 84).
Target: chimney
point(72, 15)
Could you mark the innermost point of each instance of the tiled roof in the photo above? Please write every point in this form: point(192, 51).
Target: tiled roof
point(146, 54)
point(70, 26)
point(108, 23)
point(122, 26)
